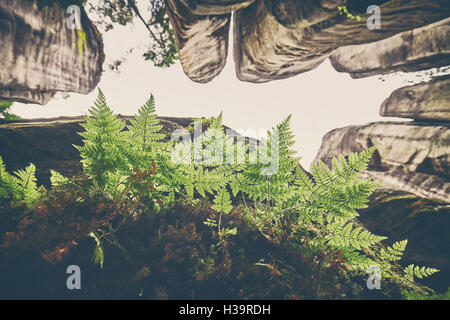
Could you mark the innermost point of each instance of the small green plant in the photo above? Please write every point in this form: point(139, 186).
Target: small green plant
point(5, 105)
point(419, 272)
point(21, 186)
point(344, 11)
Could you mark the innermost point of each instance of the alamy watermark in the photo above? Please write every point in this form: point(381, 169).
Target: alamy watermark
point(73, 22)
point(213, 147)
point(374, 21)
point(74, 280)
point(374, 280)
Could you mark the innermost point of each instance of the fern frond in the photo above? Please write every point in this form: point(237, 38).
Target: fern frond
point(344, 235)
point(103, 144)
point(98, 255)
point(145, 128)
point(57, 179)
point(222, 201)
point(358, 260)
point(394, 252)
point(419, 272)
point(27, 181)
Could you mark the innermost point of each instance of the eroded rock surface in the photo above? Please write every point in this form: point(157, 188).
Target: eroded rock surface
point(202, 41)
point(414, 50)
point(413, 157)
point(279, 39)
point(425, 101)
point(40, 56)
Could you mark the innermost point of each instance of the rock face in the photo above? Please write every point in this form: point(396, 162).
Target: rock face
point(425, 101)
point(400, 215)
point(410, 156)
point(202, 41)
point(40, 56)
point(412, 161)
point(276, 39)
point(413, 50)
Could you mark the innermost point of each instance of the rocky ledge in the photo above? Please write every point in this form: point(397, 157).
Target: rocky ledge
point(410, 156)
point(424, 101)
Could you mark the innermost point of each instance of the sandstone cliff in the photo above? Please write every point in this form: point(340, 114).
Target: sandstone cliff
point(40, 56)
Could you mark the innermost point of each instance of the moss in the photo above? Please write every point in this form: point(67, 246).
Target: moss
point(173, 255)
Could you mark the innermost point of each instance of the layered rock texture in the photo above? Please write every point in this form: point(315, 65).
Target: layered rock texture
point(40, 55)
point(412, 50)
point(410, 156)
point(275, 39)
point(426, 101)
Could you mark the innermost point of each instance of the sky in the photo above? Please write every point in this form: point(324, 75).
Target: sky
point(319, 101)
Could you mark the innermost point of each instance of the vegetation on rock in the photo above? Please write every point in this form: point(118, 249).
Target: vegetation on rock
point(153, 219)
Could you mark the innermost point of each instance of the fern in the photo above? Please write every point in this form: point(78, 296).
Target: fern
point(102, 154)
point(346, 236)
point(261, 181)
point(395, 252)
point(27, 182)
point(57, 179)
point(145, 128)
point(98, 255)
point(358, 261)
point(419, 272)
point(8, 186)
point(222, 201)
point(21, 186)
point(286, 203)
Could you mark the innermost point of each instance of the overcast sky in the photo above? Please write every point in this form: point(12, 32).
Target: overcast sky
point(319, 100)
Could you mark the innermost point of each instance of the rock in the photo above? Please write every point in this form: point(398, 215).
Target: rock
point(421, 184)
point(202, 41)
point(414, 50)
point(39, 54)
point(400, 215)
point(279, 39)
point(410, 156)
point(207, 7)
point(48, 144)
point(425, 101)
